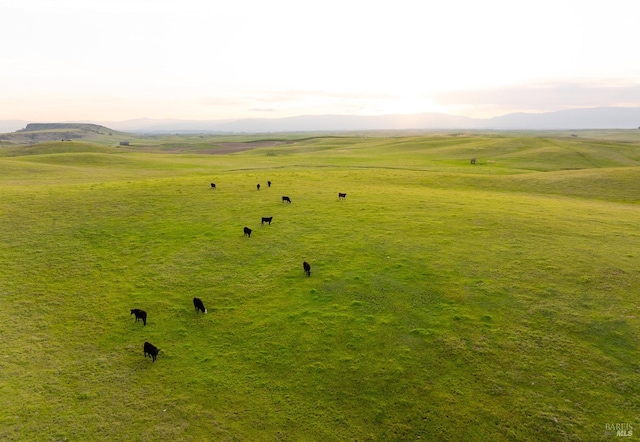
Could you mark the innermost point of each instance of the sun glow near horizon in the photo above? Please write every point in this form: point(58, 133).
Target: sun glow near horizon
point(117, 60)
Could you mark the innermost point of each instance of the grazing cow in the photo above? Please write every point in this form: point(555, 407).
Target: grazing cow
point(342, 195)
point(197, 303)
point(266, 220)
point(258, 186)
point(151, 350)
point(140, 314)
point(307, 268)
point(247, 232)
point(473, 161)
point(213, 185)
point(269, 183)
point(286, 198)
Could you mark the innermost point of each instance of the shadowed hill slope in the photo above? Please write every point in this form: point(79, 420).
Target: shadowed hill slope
point(55, 147)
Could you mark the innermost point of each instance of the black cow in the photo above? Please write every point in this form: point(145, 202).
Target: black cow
point(307, 268)
point(266, 220)
point(342, 195)
point(140, 314)
point(213, 185)
point(197, 303)
point(247, 232)
point(473, 161)
point(286, 198)
point(151, 350)
point(258, 186)
point(269, 183)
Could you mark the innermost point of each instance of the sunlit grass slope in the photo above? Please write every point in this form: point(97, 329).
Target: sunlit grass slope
point(447, 301)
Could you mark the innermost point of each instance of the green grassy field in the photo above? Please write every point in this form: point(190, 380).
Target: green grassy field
point(447, 301)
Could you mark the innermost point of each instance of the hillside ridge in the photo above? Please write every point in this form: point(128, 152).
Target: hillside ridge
point(35, 133)
point(569, 119)
point(33, 127)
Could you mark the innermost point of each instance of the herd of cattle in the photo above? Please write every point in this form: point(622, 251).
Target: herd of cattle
point(150, 349)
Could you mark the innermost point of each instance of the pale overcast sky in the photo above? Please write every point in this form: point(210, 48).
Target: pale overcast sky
point(113, 60)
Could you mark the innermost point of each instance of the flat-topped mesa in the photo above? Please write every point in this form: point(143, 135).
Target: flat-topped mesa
point(32, 127)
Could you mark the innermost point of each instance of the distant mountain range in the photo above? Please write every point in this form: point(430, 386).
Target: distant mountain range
point(574, 119)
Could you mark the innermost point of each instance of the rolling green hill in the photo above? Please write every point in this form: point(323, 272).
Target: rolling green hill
point(447, 301)
point(47, 132)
